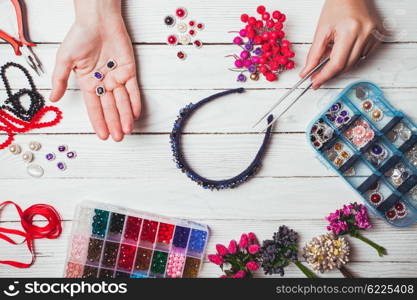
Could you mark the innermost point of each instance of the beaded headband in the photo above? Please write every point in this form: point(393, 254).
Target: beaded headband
point(175, 140)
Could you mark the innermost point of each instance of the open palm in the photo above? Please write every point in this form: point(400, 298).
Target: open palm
point(87, 48)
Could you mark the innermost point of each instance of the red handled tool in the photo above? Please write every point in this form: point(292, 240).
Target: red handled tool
point(22, 45)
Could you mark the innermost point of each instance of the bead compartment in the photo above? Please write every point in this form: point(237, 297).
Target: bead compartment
point(110, 242)
point(367, 170)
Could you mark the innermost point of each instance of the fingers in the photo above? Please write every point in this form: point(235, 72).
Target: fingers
point(338, 59)
point(134, 94)
point(95, 113)
point(111, 115)
point(60, 76)
point(316, 52)
point(125, 109)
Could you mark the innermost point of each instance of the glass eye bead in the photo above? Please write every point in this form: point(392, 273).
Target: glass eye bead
point(100, 91)
point(169, 21)
point(111, 64)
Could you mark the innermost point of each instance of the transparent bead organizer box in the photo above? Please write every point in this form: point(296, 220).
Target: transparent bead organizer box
point(373, 147)
point(109, 242)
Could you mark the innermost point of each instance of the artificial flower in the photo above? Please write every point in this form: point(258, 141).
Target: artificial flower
point(351, 219)
point(221, 250)
point(279, 252)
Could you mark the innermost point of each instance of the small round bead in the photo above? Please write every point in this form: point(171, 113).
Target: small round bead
point(200, 26)
point(169, 21)
point(198, 43)
point(35, 146)
point(181, 12)
point(181, 55)
point(100, 90)
point(50, 156)
point(61, 166)
point(71, 154)
point(172, 40)
point(15, 149)
point(111, 64)
point(62, 148)
point(28, 157)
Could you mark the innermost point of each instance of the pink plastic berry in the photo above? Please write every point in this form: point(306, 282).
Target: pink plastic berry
point(238, 63)
point(238, 40)
point(244, 54)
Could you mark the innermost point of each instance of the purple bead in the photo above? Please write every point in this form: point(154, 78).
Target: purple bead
point(71, 154)
point(98, 75)
point(62, 148)
point(377, 150)
point(248, 47)
point(339, 120)
point(241, 78)
point(61, 166)
point(252, 69)
point(335, 107)
point(50, 156)
point(343, 113)
point(258, 51)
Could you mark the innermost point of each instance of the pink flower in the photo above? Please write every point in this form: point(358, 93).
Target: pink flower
point(232, 247)
point(239, 274)
point(253, 249)
point(221, 250)
point(243, 243)
point(252, 238)
point(215, 259)
point(253, 266)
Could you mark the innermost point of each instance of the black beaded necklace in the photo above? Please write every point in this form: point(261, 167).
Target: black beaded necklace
point(13, 103)
point(175, 140)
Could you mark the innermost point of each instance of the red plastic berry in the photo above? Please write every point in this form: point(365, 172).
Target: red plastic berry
point(283, 60)
point(262, 60)
point(244, 18)
point(265, 47)
point(265, 35)
point(290, 54)
point(266, 16)
point(282, 18)
point(285, 44)
point(274, 66)
point(259, 24)
point(290, 65)
point(281, 34)
point(261, 9)
point(271, 76)
point(263, 69)
point(276, 14)
point(257, 40)
point(270, 24)
point(268, 54)
point(251, 34)
point(252, 21)
point(278, 26)
point(274, 34)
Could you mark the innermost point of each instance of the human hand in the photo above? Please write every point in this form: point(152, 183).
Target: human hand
point(347, 25)
point(98, 35)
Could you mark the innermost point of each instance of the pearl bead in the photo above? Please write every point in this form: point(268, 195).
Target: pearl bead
point(377, 114)
point(34, 146)
point(15, 149)
point(28, 157)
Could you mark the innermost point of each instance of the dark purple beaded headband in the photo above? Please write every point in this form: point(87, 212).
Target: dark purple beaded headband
point(175, 140)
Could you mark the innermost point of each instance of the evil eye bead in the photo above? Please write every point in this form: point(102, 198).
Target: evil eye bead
point(100, 90)
point(71, 154)
point(111, 64)
point(98, 75)
point(169, 21)
point(375, 198)
point(182, 27)
point(28, 157)
point(200, 26)
point(181, 55)
point(185, 39)
point(50, 156)
point(377, 115)
point(198, 44)
point(35, 146)
point(181, 12)
point(367, 105)
point(62, 148)
point(172, 40)
point(61, 166)
point(15, 149)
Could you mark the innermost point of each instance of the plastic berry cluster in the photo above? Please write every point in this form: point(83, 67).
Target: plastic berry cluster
point(187, 31)
point(264, 49)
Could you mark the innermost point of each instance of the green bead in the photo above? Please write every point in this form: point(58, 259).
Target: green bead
point(99, 224)
point(159, 262)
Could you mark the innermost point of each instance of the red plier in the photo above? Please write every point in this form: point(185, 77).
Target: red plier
point(23, 46)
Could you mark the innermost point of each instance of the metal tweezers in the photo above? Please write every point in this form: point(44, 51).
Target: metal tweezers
point(318, 67)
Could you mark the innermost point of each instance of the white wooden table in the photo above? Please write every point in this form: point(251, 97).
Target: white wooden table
point(292, 188)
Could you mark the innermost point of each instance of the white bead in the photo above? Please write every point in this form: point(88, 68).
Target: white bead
point(34, 146)
point(35, 170)
point(15, 149)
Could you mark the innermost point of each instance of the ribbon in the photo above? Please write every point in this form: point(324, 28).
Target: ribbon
point(30, 231)
point(12, 125)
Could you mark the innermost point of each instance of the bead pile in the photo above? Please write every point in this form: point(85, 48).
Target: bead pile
point(28, 157)
point(14, 117)
point(187, 30)
point(62, 149)
point(109, 242)
point(320, 133)
point(264, 49)
point(338, 115)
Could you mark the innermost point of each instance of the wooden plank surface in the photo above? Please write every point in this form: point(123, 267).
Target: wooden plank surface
point(292, 188)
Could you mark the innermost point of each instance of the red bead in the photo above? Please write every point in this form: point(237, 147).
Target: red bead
point(181, 55)
point(191, 32)
point(261, 9)
point(191, 23)
point(172, 39)
point(251, 34)
point(268, 54)
point(391, 214)
point(283, 60)
point(276, 14)
point(265, 47)
point(266, 16)
point(290, 65)
point(262, 60)
point(244, 18)
point(375, 198)
point(181, 12)
point(274, 66)
point(399, 206)
point(252, 21)
point(200, 26)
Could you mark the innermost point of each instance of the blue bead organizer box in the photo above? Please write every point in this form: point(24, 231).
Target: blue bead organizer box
point(109, 242)
point(373, 147)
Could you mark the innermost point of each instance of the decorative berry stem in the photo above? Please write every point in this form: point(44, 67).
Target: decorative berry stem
point(381, 250)
point(345, 272)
